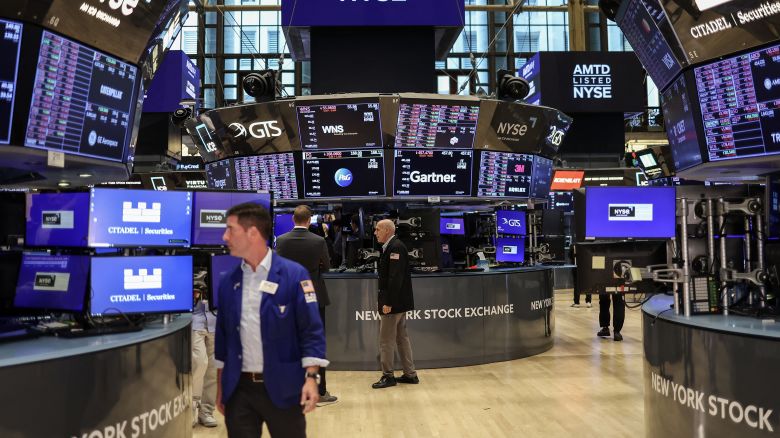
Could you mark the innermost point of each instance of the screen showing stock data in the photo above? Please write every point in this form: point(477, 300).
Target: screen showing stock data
point(339, 126)
point(10, 43)
point(274, 172)
point(344, 174)
point(740, 104)
point(505, 174)
point(680, 126)
point(426, 124)
point(432, 173)
point(82, 100)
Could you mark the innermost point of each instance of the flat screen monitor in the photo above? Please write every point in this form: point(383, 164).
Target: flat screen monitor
point(510, 127)
point(211, 208)
point(773, 206)
point(542, 177)
point(52, 282)
point(132, 218)
point(510, 222)
point(344, 174)
point(250, 129)
point(680, 126)
point(339, 126)
point(741, 118)
point(510, 249)
point(563, 201)
point(273, 172)
point(629, 212)
point(57, 219)
point(219, 175)
point(424, 123)
point(221, 266)
point(10, 45)
point(82, 102)
point(503, 174)
point(283, 223)
point(148, 284)
point(432, 173)
point(452, 225)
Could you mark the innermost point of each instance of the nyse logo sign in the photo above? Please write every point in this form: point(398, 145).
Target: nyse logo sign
point(213, 218)
point(57, 220)
point(143, 280)
point(452, 226)
point(510, 249)
point(127, 6)
point(51, 281)
point(592, 81)
point(141, 213)
point(630, 212)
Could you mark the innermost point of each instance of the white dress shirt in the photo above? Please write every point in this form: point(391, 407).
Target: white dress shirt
point(251, 296)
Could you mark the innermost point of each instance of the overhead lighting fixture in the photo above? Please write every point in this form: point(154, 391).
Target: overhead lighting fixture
point(85, 175)
point(63, 184)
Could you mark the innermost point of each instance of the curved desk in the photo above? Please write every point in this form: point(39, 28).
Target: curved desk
point(709, 375)
point(130, 384)
point(460, 318)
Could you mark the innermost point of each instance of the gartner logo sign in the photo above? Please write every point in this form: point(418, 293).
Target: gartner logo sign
point(269, 129)
point(142, 213)
point(143, 280)
point(433, 177)
point(51, 281)
point(343, 177)
point(213, 218)
point(57, 220)
point(630, 212)
point(592, 81)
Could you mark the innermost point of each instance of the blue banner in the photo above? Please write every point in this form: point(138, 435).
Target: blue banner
point(307, 13)
point(177, 79)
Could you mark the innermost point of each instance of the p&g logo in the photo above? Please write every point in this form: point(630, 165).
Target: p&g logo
point(343, 177)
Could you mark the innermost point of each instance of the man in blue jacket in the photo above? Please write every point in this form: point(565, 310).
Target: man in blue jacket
point(268, 336)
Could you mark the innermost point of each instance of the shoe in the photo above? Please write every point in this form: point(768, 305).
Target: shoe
point(590, 305)
point(207, 420)
point(327, 398)
point(575, 305)
point(618, 337)
point(413, 380)
point(194, 414)
point(384, 382)
point(603, 333)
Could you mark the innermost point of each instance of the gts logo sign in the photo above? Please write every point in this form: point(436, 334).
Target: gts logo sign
point(333, 129)
point(127, 6)
point(514, 223)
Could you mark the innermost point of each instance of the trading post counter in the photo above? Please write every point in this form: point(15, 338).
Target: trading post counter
point(131, 384)
point(459, 319)
point(709, 375)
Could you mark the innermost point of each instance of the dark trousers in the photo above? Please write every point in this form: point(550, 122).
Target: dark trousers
point(323, 387)
point(249, 407)
point(588, 297)
point(619, 307)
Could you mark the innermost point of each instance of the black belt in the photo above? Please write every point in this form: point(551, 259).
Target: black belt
point(253, 377)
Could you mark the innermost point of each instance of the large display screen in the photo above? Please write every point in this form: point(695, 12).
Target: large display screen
point(680, 126)
point(57, 219)
point(563, 201)
point(542, 174)
point(257, 128)
point(52, 282)
point(428, 124)
point(130, 218)
point(274, 172)
point(773, 206)
point(432, 173)
point(82, 102)
point(343, 174)
point(642, 22)
point(452, 225)
point(510, 222)
point(10, 45)
point(305, 13)
point(211, 208)
point(510, 249)
point(503, 174)
point(339, 126)
point(629, 212)
point(149, 284)
point(740, 104)
point(510, 127)
point(221, 266)
point(283, 223)
point(219, 174)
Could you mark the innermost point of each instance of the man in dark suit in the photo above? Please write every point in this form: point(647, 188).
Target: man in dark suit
point(395, 299)
point(311, 251)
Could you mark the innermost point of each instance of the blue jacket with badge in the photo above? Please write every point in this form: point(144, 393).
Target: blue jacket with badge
point(290, 328)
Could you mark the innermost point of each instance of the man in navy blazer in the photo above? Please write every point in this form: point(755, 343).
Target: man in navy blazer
point(269, 336)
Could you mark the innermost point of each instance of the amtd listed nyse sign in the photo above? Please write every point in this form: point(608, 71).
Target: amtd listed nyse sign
point(592, 81)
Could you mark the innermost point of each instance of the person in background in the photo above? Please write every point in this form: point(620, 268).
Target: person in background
point(395, 299)
point(588, 296)
point(310, 251)
point(619, 307)
point(204, 369)
point(269, 338)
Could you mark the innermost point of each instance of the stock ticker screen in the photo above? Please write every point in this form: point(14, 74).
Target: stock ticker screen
point(10, 43)
point(219, 174)
point(680, 126)
point(740, 104)
point(343, 174)
point(82, 101)
point(424, 124)
point(542, 177)
point(274, 172)
point(504, 174)
point(432, 172)
point(339, 126)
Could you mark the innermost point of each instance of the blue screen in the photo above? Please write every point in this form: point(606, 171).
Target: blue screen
point(510, 249)
point(57, 219)
point(52, 282)
point(629, 212)
point(221, 266)
point(510, 222)
point(161, 284)
point(452, 225)
point(210, 208)
point(305, 13)
point(283, 223)
point(139, 218)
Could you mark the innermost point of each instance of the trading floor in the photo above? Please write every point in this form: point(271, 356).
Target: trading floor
point(583, 387)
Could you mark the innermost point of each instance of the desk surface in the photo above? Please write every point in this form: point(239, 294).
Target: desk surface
point(492, 271)
point(51, 347)
point(660, 307)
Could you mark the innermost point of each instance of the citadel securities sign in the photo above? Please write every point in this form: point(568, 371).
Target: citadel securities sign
point(307, 13)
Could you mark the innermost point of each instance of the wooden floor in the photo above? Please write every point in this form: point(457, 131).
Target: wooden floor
point(583, 387)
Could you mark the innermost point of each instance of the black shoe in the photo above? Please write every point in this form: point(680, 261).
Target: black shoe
point(603, 333)
point(384, 382)
point(618, 337)
point(413, 380)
